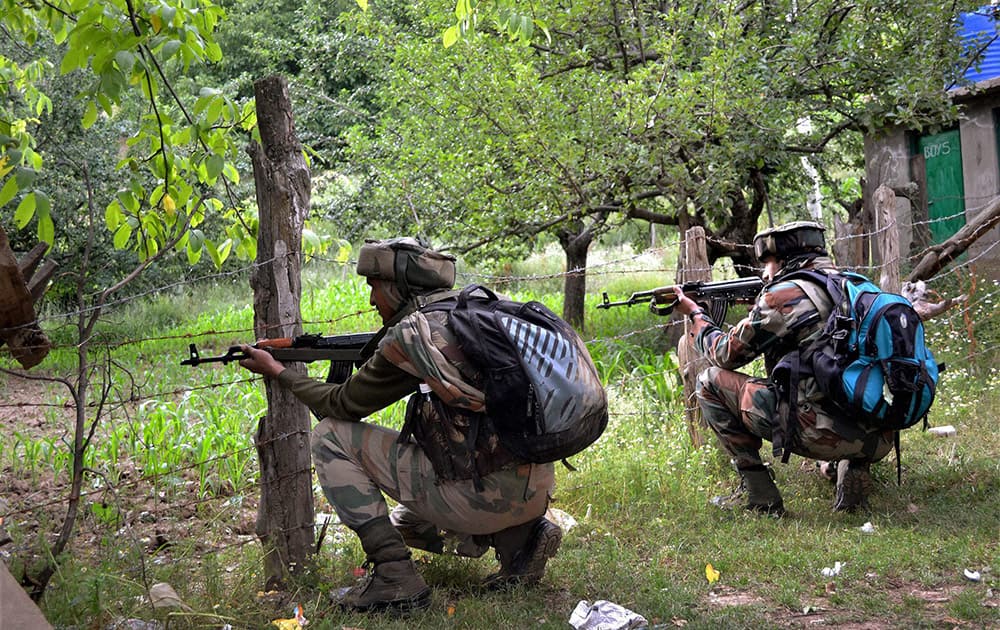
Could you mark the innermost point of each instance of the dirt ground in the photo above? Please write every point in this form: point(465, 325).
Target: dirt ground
point(154, 513)
point(156, 517)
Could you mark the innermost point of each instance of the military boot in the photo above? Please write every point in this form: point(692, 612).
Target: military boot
point(762, 494)
point(854, 485)
point(523, 551)
point(392, 582)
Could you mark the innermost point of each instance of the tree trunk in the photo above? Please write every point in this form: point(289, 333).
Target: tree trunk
point(18, 326)
point(888, 235)
point(575, 245)
point(285, 518)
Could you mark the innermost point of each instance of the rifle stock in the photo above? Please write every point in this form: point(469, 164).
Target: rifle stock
point(716, 297)
point(344, 352)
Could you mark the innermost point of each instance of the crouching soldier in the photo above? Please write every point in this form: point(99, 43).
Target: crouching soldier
point(743, 411)
point(457, 489)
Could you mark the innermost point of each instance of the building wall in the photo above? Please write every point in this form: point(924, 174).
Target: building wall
point(981, 175)
point(887, 161)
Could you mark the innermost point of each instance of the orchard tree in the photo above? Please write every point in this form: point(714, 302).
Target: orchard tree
point(176, 159)
point(110, 74)
point(684, 113)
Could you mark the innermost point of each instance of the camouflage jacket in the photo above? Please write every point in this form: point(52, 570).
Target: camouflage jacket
point(788, 314)
point(448, 416)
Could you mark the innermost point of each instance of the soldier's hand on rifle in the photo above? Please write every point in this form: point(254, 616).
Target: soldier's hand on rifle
point(260, 361)
point(685, 305)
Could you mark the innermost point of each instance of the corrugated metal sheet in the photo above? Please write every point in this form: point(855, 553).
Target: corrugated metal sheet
point(980, 29)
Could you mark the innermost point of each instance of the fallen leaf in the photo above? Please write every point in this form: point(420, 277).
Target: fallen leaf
point(711, 574)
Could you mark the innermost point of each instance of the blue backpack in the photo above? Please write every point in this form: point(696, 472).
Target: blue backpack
point(871, 360)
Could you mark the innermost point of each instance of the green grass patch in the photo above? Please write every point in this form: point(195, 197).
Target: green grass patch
point(174, 489)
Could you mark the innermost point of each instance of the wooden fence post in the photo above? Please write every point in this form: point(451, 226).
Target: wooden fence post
point(285, 517)
point(695, 267)
point(888, 237)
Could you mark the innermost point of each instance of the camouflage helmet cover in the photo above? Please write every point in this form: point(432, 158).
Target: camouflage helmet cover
point(790, 240)
point(407, 263)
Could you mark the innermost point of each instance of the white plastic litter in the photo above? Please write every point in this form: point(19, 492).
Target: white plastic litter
point(972, 575)
point(604, 615)
point(562, 519)
point(835, 571)
point(945, 431)
point(868, 528)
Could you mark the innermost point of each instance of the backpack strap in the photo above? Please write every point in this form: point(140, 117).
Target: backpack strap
point(816, 286)
point(899, 462)
point(473, 437)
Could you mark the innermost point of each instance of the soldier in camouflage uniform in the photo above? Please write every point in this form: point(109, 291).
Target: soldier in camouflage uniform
point(452, 496)
point(743, 411)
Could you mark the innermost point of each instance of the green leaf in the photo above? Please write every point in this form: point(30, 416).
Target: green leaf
point(213, 52)
point(90, 116)
point(311, 243)
point(71, 60)
point(450, 36)
point(43, 205)
point(25, 177)
point(46, 228)
point(213, 253)
point(214, 110)
point(8, 191)
point(231, 173)
point(363, 4)
point(223, 250)
point(194, 253)
point(214, 166)
point(25, 210)
point(113, 216)
point(122, 235)
point(125, 60)
point(170, 48)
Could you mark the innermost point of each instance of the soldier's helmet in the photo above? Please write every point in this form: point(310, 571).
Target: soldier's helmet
point(409, 264)
point(790, 240)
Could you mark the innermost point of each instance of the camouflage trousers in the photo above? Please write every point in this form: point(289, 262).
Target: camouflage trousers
point(742, 411)
point(359, 464)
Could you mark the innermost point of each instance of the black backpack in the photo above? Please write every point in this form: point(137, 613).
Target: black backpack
point(543, 394)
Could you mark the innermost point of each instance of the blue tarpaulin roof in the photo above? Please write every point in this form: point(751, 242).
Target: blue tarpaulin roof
point(980, 29)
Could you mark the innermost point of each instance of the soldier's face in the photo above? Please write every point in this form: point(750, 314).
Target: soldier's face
point(381, 300)
point(771, 268)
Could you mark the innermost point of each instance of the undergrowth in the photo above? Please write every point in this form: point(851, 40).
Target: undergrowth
point(174, 485)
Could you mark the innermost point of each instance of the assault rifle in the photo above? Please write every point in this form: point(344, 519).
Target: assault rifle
point(714, 297)
point(344, 352)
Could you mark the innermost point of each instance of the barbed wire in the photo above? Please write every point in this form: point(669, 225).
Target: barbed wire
point(625, 264)
point(598, 269)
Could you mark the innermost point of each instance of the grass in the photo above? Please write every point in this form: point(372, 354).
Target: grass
point(173, 501)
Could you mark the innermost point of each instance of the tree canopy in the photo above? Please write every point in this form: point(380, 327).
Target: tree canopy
point(175, 144)
point(647, 110)
point(483, 125)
